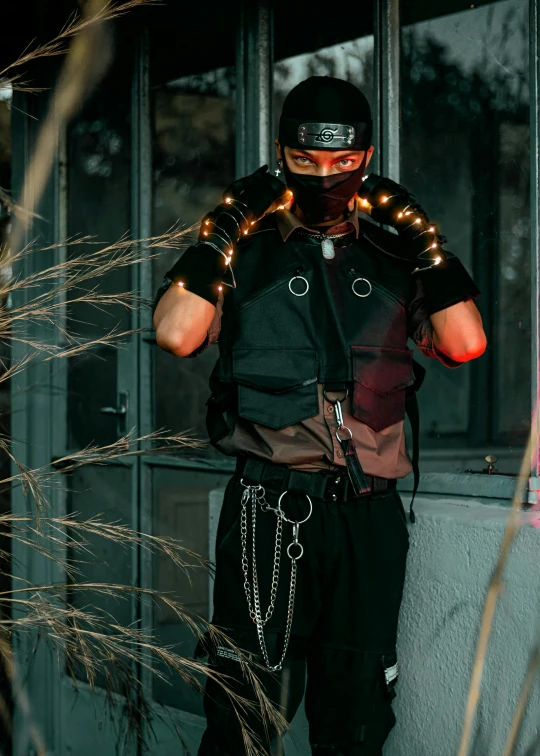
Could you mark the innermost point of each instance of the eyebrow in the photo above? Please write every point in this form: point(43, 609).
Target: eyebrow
point(309, 153)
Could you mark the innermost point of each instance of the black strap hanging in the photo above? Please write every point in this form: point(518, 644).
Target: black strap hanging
point(413, 413)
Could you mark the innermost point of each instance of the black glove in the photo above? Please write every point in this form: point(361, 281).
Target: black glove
point(202, 267)
point(245, 201)
point(444, 278)
point(394, 206)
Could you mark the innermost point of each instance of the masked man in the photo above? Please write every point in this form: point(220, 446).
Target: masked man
point(313, 306)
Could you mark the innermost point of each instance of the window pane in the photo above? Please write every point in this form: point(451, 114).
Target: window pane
point(194, 156)
point(465, 155)
point(99, 206)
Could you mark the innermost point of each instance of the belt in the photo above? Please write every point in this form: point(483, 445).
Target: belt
point(322, 484)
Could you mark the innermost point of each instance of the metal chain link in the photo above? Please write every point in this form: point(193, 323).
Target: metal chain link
point(257, 496)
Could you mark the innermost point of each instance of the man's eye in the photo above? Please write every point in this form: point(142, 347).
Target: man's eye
point(303, 160)
point(345, 163)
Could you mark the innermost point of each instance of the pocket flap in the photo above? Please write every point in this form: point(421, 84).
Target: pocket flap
point(382, 370)
point(275, 370)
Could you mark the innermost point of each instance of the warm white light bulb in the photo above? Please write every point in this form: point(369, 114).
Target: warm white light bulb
point(400, 215)
point(437, 260)
point(417, 220)
point(434, 245)
point(180, 283)
point(432, 228)
point(384, 199)
point(229, 251)
point(228, 200)
point(245, 232)
point(220, 288)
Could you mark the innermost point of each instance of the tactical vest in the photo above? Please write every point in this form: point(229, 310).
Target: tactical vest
point(295, 320)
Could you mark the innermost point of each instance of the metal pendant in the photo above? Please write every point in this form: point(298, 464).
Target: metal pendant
point(328, 249)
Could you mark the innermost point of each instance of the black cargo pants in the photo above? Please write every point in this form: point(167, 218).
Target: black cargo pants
point(348, 595)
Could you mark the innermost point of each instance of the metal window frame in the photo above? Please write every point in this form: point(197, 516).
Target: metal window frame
point(534, 78)
point(254, 66)
point(254, 86)
point(387, 33)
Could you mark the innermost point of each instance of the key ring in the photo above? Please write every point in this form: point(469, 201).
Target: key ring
point(295, 522)
point(302, 294)
point(343, 427)
point(300, 555)
point(295, 542)
point(255, 488)
point(365, 281)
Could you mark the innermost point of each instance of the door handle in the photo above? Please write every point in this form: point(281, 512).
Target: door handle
point(120, 411)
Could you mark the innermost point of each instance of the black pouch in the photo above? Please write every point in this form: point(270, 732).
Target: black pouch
point(276, 387)
point(381, 377)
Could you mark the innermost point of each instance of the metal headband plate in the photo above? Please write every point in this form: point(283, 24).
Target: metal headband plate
point(319, 135)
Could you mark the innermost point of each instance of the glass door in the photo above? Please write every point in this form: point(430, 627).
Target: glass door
point(191, 161)
point(94, 396)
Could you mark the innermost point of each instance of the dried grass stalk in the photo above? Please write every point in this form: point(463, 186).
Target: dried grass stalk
point(495, 589)
point(59, 45)
point(86, 639)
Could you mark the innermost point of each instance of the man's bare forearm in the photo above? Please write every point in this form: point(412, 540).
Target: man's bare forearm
point(458, 331)
point(182, 320)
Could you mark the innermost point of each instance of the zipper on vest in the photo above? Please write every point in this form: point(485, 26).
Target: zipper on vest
point(261, 293)
point(352, 272)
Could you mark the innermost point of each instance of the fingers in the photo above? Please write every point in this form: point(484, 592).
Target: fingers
point(282, 203)
point(363, 205)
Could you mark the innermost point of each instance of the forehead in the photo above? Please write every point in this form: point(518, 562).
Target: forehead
point(326, 154)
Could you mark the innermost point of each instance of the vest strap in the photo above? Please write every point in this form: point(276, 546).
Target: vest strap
point(413, 413)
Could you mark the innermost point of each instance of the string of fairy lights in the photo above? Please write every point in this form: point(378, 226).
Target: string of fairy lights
point(368, 207)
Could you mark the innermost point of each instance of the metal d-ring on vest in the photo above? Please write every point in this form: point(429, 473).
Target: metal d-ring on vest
point(257, 496)
point(303, 293)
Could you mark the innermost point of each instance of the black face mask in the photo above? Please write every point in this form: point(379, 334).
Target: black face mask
point(323, 198)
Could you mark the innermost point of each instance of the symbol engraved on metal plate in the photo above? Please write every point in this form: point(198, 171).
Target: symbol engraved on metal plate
point(312, 134)
point(328, 249)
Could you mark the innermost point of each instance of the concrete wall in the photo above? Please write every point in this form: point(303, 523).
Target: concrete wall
point(454, 546)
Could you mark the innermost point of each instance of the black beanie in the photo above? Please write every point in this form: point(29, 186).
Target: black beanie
point(326, 114)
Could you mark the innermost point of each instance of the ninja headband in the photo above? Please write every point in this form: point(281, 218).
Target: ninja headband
point(323, 113)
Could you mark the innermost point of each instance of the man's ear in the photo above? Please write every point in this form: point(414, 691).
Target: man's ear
point(279, 154)
point(369, 155)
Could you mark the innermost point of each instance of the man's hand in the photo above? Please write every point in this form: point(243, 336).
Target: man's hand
point(390, 203)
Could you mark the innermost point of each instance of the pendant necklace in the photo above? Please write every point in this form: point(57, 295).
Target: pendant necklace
point(327, 245)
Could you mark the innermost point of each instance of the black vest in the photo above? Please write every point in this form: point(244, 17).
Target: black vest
point(277, 342)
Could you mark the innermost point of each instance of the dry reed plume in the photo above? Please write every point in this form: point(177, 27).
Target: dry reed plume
point(88, 641)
